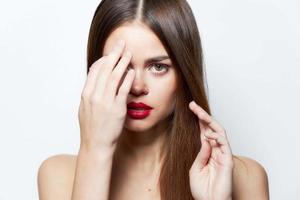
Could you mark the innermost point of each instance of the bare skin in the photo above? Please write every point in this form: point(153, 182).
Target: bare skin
point(249, 180)
point(119, 157)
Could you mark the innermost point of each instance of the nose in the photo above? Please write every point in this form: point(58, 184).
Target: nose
point(138, 86)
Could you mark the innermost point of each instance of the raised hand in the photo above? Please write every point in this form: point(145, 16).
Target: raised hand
point(211, 173)
point(103, 105)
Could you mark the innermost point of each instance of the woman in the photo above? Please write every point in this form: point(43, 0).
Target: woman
point(145, 125)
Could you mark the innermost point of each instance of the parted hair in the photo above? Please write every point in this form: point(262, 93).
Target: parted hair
point(174, 24)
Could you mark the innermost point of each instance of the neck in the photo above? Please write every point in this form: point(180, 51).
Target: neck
point(142, 150)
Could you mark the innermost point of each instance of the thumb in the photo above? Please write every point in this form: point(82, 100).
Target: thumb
point(203, 155)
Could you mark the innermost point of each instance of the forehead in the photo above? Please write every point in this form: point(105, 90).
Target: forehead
point(139, 39)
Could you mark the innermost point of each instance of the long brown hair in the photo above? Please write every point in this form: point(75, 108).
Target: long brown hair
point(174, 24)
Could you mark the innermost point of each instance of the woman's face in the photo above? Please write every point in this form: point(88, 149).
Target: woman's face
point(155, 82)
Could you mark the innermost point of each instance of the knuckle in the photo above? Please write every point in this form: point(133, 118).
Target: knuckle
point(104, 57)
point(81, 106)
point(92, 67)
point(80, 112)
point(84, 96)
point(110, 57)
point(96, 64)
point(102, 60)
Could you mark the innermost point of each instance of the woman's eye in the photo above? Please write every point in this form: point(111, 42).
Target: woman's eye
point(159, 68)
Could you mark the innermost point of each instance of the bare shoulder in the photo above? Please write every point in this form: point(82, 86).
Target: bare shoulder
point(55, 177)
point(250, 180)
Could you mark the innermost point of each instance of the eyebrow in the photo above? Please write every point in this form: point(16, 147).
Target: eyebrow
point(157, 59)
point(153, 59)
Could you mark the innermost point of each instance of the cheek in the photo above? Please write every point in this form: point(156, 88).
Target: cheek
point(163, 91)
point(164, 97)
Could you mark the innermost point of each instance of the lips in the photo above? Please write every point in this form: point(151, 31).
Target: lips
point(138, 106)
point(138, 110)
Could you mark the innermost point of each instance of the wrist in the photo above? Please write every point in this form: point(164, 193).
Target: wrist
point(229, 198)
point(99, 151)
point(92, 146)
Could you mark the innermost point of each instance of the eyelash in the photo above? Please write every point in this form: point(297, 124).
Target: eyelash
point(160, 65)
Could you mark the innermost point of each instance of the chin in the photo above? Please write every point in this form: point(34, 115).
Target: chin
point(134, 125)
point(135, 130)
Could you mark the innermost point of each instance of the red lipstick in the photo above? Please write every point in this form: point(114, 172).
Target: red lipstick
point(138, 110)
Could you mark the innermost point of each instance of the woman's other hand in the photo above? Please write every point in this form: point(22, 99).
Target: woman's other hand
point(211, 172)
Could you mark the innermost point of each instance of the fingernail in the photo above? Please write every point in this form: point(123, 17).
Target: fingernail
point(192, 102)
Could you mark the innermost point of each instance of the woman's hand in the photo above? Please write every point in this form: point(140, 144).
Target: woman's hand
point(103, 104)
point(211, 172)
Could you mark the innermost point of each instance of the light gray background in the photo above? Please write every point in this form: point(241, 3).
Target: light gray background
point(251, 50)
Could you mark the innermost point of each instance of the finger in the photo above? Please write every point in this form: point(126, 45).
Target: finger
point(203, 128)
point(92, 78)
point(202, 136)
point(124, 89)
point(203, 155)
point(203, 124)
point(221, 140)
point(109, 63)
point(212, 142)
point(115, 55)
point(203, 115)
point(117, 75)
